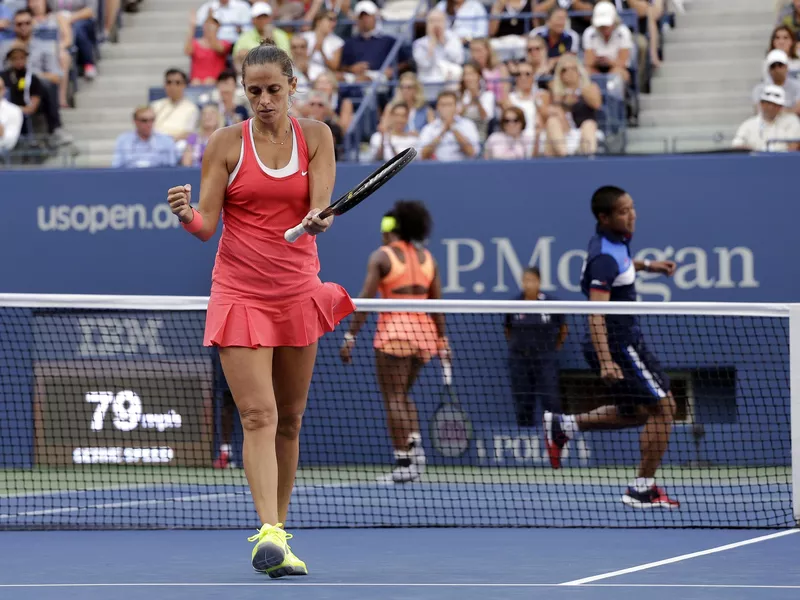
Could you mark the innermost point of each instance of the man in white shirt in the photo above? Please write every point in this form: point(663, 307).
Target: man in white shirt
point(607, 43)
point(233, 17)
point(450, 137)
point(774, 123)
point(439, 55)
point(10, 122)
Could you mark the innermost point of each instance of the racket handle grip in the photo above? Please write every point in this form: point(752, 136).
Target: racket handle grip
point(447, 371)
point(293, 234)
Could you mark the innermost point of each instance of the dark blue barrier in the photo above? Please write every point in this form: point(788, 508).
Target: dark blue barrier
point(727, 220)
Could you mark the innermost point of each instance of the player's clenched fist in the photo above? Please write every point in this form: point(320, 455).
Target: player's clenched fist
point(180, 199)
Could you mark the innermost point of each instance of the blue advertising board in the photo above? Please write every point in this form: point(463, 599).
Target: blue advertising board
point(726, 220)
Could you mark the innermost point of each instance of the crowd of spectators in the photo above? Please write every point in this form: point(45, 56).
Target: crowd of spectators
point(775, 127)
point(47, 47)
point(498, 80)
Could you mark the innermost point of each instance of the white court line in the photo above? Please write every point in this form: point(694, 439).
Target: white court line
point(682, 557)
point(399, 585)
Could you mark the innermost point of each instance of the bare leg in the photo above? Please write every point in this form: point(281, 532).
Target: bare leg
point(393, 377)
point(249, 375)
point(411, 406)
point(588, 137)
point(292, 369)
point(555, 137)
point(611, 417)
point(655, 436)
point(228, 408)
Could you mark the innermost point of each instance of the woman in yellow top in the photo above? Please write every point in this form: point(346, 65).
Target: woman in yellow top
point(402, 269)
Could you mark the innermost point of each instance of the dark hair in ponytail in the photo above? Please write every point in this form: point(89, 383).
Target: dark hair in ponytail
point(268, 53)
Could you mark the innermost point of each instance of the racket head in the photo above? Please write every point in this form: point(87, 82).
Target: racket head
point(372, 183)
point(450, 429)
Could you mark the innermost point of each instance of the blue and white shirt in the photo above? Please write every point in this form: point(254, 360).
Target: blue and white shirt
point(609, 267)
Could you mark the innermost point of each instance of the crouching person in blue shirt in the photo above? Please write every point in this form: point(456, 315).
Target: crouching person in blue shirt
point(534, 340)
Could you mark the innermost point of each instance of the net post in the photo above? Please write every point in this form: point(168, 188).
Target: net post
point(794, 387)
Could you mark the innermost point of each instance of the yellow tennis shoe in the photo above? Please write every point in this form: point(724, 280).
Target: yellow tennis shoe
point(272, 554)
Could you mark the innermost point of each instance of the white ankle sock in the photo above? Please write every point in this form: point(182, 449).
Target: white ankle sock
point(415, 439)
point(642, 484)
point(225, 448)
point(569, 425)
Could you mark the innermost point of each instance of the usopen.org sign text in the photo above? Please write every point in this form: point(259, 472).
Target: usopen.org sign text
point(468, 261)
point(92, 218)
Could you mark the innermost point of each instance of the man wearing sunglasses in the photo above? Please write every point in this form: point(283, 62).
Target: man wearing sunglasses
point(142, 147)
point(176, 115)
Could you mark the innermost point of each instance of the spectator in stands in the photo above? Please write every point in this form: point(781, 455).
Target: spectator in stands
point(557, 38)
point(646, 34)
point(320, 109)
point(233, 17)
point(579, 24)
point(477, 104)
point(777, 64)
point(176, 115)
point(210, 121)
point(209, 54)
point(324, 47)
point(509, 24)
point(395, 136)
point(783, 39)
point(438, 55)
point(572, 114)
point(365, 52)
point(466, 18)
point(31, 94)
point(342, 108)
point(339, 8)
point(773, 123)
point(512, 142)
point(43, 62)
point(529, 98)
point(144, 148)
point(263, 28)
point(607, 43)
point(10, 121)
point(231, 111)
point(790, 17)
point(55, 26)
point(82, 19)
point(536, 51)
point(450, 137)
point(409, 91)
point(303, 69)
point(494, 72)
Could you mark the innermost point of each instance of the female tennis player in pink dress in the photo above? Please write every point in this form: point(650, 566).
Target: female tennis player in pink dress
point(268, 306)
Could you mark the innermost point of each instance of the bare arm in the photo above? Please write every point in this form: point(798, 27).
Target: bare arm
point(435, 293)
point(82, 15)
point(377, 266)
point(593, 96)
point(597, 329)
point(321, 165)
point(213, 182)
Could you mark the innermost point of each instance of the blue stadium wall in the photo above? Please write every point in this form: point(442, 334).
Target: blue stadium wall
point(728, 221)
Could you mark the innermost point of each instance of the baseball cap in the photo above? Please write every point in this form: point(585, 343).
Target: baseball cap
point(604, 15)
point(17, 47)
point(260, 9)
point(774, 94)
point(365, 6)
point(777, 56)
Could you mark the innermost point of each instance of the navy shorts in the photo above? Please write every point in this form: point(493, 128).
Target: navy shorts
point(644, 382)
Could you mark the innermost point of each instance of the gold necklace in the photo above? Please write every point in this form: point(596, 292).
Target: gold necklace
point(286, 137)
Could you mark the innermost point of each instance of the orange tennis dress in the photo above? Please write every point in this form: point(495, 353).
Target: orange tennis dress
point(266, 292)
point(407, 334)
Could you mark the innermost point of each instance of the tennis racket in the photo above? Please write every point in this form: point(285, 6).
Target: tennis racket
point(451, 429)
point(361, 192)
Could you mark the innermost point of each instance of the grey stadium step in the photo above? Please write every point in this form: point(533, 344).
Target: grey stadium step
point(706, 116)
point(716, 70)
point(703, 51)
point(154, 50)
point(687, 34)
point(694, 101)
point(690, 85)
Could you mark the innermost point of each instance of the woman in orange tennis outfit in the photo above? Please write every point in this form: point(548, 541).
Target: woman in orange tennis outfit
point(402, 269)
point(267, 307)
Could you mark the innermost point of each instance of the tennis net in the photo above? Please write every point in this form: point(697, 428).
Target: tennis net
point(113, 416)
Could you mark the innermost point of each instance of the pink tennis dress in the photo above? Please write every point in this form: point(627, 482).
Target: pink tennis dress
point(266, 292)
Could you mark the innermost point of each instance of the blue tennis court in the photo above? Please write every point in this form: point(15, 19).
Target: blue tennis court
point(404, 563)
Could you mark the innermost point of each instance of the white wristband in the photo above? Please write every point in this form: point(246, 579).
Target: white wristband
point(349, 337)
point(647, 263)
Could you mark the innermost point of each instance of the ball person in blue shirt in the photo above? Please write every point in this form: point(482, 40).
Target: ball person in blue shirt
point(617, 352)
point(534, 340)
